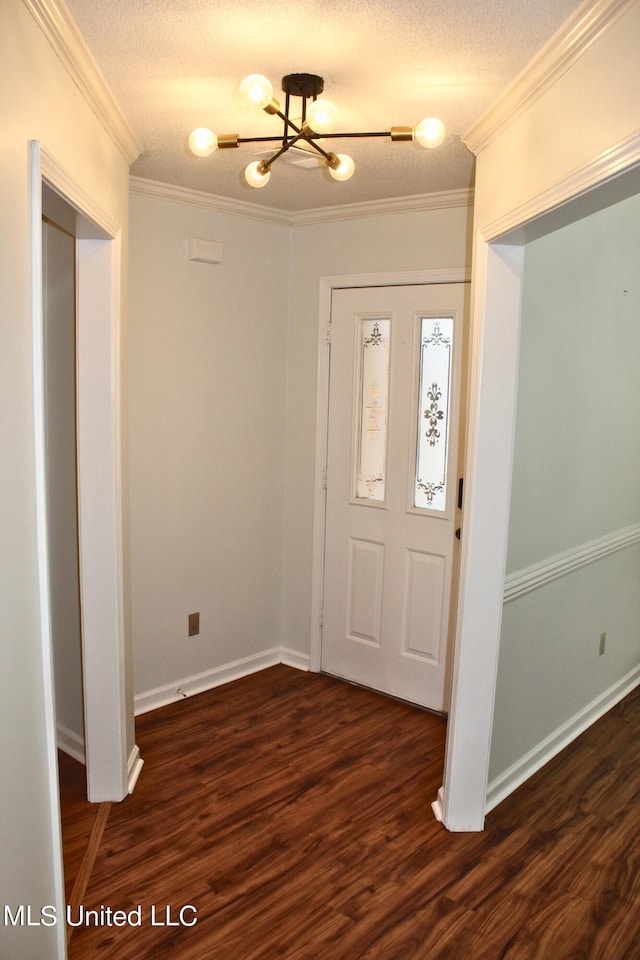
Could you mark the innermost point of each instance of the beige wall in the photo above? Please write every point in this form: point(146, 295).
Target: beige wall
point(207, 400)
point(41, 102)
point(223, 370)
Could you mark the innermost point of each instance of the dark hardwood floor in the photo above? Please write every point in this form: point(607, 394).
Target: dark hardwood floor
point(78, 818)
point(293, 812)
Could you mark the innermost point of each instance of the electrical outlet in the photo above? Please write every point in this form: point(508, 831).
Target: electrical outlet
point(603, 643)
point(194, 624)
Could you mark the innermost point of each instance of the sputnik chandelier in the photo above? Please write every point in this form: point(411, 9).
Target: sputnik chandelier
point(317, 122)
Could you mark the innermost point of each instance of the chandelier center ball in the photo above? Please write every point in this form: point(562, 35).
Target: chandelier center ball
point(303, 85)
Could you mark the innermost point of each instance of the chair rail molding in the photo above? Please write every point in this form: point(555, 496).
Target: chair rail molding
point(524, 581)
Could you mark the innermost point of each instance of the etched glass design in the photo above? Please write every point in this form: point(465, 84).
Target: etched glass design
point(373, 394)
point(436, 343)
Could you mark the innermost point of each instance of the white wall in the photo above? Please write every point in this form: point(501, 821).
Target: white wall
point(43, 104)
point(207, 393)
point(575, 479)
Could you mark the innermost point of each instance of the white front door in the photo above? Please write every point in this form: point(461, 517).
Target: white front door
point(392, 487)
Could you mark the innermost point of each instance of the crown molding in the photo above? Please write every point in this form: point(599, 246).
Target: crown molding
point(372, 208)
point(62, 32)
point(589, 22)
point(138, 186)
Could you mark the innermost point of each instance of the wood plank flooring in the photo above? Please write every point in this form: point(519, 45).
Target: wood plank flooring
point(293, 812)
point(78, 817)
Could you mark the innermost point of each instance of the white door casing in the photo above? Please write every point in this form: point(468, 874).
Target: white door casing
point(389, 555)
point(99, 485)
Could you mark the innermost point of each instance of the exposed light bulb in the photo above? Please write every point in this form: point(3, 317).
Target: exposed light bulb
point(202, 142)
point(429, 133)
point(344, 169)
point(254, 176)
point(322, 116)
point(256, 91)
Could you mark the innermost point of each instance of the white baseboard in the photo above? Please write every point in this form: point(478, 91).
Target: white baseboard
point(438, 805)
point(70, 743)
point(187, 686)
point(531, 762)
point(134, 766)
point(293, 658)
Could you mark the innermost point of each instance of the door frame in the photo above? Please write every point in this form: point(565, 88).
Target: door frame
point(327, 286)
point(98, 268)
point(498, 275)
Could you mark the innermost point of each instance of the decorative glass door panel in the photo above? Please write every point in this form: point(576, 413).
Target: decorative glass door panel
point(434, 401)
point(372, 408)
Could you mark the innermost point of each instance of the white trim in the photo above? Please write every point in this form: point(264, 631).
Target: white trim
point(490, 433)
point(70, 742)
point(99, 486)
point(320, 492)
point(438, 805)
point(327, 286)
point(61, 30)
point(607, 166)
point(420, 203)
point(540, 574)
point(216, 677)
point(44, 598)
point(293, 658)
point(589, 22)
point(401, 278)
point(100, 516)
point(138, 186)
point(58, 178)
point(134, 766)
point(535, 759)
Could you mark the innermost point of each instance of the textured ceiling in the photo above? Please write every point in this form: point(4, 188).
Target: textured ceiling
point(173, 65)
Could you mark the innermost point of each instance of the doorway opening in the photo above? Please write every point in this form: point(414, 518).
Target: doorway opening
point(99, 518)
point(60, 390)
point(499, 267)
point(111, 767)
